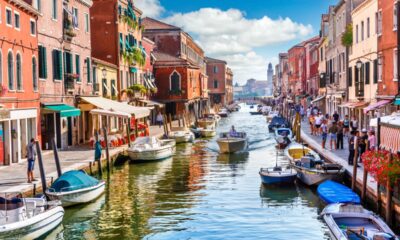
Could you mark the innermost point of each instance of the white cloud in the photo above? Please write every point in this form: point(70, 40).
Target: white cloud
point(150, 8)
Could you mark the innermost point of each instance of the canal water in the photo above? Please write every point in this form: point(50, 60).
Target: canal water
point(201, 194)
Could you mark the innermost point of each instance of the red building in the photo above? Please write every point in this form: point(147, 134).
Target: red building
point(297, 75)
point(220, 81)
point(312, 74)
point(19, 92)
point(388, 73)
point(179, 68)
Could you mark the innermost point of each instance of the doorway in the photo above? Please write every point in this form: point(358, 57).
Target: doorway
point(69, 125)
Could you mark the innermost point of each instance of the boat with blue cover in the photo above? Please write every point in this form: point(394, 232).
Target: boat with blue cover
point(75, 187)
point(333, 192)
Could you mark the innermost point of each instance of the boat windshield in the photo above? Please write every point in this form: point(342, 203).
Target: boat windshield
point(10, 201)
point(233, 135)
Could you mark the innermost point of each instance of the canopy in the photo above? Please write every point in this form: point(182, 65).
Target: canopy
point(109, 113)
point(64, 110)
point(114, 106)
point(150, 103)
point(397, 101)
point(318, 99)
point(376, 105)
point(393, 119)
point(73, 180)
point(390, 138)
point(333, 192)
point(353, 104)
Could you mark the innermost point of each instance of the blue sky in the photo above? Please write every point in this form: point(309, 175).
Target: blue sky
point(248, 34)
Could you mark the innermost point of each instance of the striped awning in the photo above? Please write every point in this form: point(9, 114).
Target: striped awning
point(390, 138)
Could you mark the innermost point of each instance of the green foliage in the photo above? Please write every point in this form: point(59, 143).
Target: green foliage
point(133, 24)
point(138, 88)
point(347, 36)
point(134, 56)
point(176, 92)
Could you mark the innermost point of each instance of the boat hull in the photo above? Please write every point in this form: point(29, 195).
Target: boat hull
point(312, 178)
point(78, 196)
point(34, 227)
point(277, 179)
point(206, 123)
point(207, 133)
point(232, 145)
point(151, 155)
point(182, 138)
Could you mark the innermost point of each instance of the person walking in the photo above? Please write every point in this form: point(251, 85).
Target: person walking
point(352, 139)
point(324, 130)
point(318, 123)
point(346, 125)
point(340, 136)
point(372, 141)
point(362, 143)
point(336, 116)
point(31, 156)
point(354, 124)
point(159, 119)
point(333, 129)
point(312, 124)
point(302, 113)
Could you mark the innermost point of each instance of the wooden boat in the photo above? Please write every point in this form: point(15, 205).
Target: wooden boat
point(311, 169)
point(206, 122)
point(223, 113)
point(75, 187)
point(151, 149)
point(283, 137)
point(277, 175)
point(271, 115)
point(333, 192)
point(207, 132)
point(28, 218)
point(277, 122)
point(352, 221)
point(232, 144)
point(181, 135)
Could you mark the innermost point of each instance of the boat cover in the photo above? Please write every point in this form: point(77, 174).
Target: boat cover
point(73, 180)
point(333, 192)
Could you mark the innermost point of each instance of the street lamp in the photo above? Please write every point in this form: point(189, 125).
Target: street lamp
point(358, 84)
point(359, 64)
point(104, 72)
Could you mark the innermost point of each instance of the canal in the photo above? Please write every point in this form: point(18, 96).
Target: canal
point(200, 194)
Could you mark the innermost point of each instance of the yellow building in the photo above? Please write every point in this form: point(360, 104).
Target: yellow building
point(105, 77)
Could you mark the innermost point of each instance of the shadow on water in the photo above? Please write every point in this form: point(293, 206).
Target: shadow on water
point(278, 194)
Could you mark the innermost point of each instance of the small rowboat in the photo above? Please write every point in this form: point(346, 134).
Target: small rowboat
point(151, 149)
point(277, 175)
point(182, 136)
point(206, 133)
point(333, 192)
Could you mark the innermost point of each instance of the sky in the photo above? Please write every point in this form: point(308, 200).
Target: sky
point(247, 34)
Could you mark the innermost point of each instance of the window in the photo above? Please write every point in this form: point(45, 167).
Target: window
point(75, 20)
point(368, 28)
point(367, 72)
point(362, 30)
point(17, 23)
point(10, 67)
point(113, 93)
point(57, 65)
point(175, 81)
point(395, 63)
point(380, 63)
point(376, 71)
point(42, 62)
point(395, 17)
point(88, 70)
point(322, 54)
point(215, 69)
point(356, 33)
point(87, 22)
point(33, 27)
point(8, 17)
point(34, 74)
point(54, 9)
point(37, 5)
point(350, 77)
point(215, 83)
point(94, 75)
point(379, 23)
point(78, 67)
point(19, 72)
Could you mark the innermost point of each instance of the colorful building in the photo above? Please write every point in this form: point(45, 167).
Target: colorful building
point(19, 89)
point(220, 81)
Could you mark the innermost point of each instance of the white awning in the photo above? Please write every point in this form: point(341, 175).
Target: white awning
point(150, 103)
point(318, 99)
point(109, 113)
point(114, 106)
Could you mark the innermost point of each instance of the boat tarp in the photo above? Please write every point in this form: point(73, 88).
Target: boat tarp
point(333, 192)
point(73, 180)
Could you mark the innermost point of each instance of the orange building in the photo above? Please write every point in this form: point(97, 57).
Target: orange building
point(19, 93)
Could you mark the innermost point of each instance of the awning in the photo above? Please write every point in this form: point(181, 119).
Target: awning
point(114, 106)
point(150, 103)
point(390, 138)
point(318, 99)
point(64, 110)
point(345, 105)
point(132, 69)
point(376, 105)
point(109, 113)
point(358, 105)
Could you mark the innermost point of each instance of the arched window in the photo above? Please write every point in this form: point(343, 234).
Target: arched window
point(19, 72)
point(175, 84)
point(34, 74)
point(10, 64)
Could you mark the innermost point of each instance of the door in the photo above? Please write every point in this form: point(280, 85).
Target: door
point(69, 123)
point(58, 129)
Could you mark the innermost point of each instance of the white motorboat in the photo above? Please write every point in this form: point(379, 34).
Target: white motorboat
point(231, 144)
point(311, 169)
point(75, 187)
point(351, 221)
point(206, 122)
point(223, 113)
point(181, 136)
point(151, 149)
point(207, 132)
point(28, 218)
point(277, 175)
point(283, 137)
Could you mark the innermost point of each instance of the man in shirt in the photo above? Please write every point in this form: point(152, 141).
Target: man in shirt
point(362, 143)
point(336, 116)
point(333, 134)
point(352, 137)
point(31, 155)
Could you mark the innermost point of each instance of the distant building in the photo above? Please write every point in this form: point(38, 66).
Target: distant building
point(220, 81)
point(253, 88)
point(270, 75)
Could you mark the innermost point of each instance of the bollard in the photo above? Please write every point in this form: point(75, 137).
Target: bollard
point(34, 189)
point(107, 151)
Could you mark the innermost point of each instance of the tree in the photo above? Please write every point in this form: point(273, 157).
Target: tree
point(347, 36)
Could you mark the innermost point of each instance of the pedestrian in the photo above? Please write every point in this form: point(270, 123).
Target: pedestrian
point(336, 116)
point(346, 125)
point(302, 113)
point(350, 159)
point(159, 119)
point(354, 124)
point(372, 141)
point(31, 156)
point(333, 129)
point(312, 124)
point(308, 112)
point(97, 150)
point(315, 110)
point(362, 143)
point(340, 136)
point(324, 129)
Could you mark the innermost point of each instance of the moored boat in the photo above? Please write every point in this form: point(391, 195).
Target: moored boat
point(352, 221)
point(75, 187)
point(333, 192)
point(277, 122)
point(206, 122)
point(223, 113)
point(181, 136)
point(231, 144)
point(151, 149)
point(283, 137)
point(277, 175)
point(28, 218)
point(207, 132)
point(256, 113)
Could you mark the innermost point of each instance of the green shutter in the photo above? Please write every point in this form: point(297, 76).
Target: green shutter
point(78, 67)
point(60, 65)
point(42, 62)
point(54, 61)
point(88, 69)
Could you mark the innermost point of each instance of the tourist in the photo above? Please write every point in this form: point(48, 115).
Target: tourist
point(372, 141)
point(324, 129)
point(336, 116)
point(312, 124)
point(302, 112)
point(318, 123)
point(232, 132)
point(97, 151)
point(346, 125)
point(354, 124)
point(362, 143)
point(333, 129)
point(340, 136)
point(309, 112)
point(159, 119)
point(31, 156)
point(352, 139)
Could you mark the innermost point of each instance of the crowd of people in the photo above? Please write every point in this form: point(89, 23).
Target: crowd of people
point(337, 130)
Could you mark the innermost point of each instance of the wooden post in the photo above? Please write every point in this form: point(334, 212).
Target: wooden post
point(389, 195)
point(41, 167)
point(128, 132)
point(107, 150)
point(379, 202)
point(56, 158)
point(355, 163)
point(364, 186)
point(170, 121)
point(90, 168)
point(100, 168)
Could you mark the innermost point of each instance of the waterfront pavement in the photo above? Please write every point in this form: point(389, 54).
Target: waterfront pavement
point(13, 178)
point(336, 156)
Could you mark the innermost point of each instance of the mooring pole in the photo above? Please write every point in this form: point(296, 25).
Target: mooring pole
point(56, 158)
point(389, 195)
point(107, 151)
point(41, 167)
point(355, 163)
point(128, 132)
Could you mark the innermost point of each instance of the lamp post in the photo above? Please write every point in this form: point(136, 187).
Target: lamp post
point(359, 66)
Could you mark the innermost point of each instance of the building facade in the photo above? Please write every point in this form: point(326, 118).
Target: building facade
point(19, 95)
point(270, 74)
point(283, 75)
point(220, 81)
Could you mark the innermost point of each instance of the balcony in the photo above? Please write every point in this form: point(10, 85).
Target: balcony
point(68, 29)
point(69, 82)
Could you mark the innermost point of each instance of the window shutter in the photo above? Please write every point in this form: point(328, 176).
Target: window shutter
point(376, 71)
point(350, 76)
point(54, 61)
point(78, 67)
point(88, 70)
point(367, 73)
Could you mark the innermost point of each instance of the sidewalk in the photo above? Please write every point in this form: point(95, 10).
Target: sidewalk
point(336, 156)
point(13, 178)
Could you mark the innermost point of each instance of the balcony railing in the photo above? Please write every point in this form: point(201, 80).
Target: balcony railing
point(69, 81)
